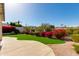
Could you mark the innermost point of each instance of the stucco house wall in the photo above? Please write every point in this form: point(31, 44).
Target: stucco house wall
point(1, 18)
point(0, 31)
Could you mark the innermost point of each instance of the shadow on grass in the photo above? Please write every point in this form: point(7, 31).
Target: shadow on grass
point(8, 34)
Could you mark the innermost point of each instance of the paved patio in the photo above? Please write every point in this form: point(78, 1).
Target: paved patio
point(65, 49)
point(13, 47)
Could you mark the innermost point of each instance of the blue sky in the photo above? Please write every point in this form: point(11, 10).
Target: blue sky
point(36, 14)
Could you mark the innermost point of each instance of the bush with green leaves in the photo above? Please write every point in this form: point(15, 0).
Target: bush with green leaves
point(76, 31)
point(76, 47)
point(72, 30)
point(15, 24)
point(75, 37)
point(69, 30)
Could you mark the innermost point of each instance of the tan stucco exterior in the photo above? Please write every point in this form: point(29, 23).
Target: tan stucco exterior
point(0, 31)
point(1, 18)
point(2, 11)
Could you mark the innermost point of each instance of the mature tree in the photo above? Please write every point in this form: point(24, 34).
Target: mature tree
point(45, 27)
point(7, 23)
point(13, 24)
point(17, 24)
point(41, 28)
point(30, 28)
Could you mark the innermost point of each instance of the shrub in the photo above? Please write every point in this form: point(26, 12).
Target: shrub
point(76, 31)
point(76, 47)
point(46, 34)
point(37, 34)
point(42, 34)
point(70, 31)
point(59, 33)
point(49, 34)
point(16, 31)
point(27, 32)
point(32, 33)
point(75, 37)
point(7, 29)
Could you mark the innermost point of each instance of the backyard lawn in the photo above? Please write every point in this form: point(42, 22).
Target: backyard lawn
point(36, 38)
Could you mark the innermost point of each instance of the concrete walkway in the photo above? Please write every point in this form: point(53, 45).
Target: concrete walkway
point(13, 47)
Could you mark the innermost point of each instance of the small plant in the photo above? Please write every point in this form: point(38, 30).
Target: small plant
point(75, 37)
point(76, 47)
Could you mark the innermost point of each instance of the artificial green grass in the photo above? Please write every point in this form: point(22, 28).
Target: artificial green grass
point(44, 40)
